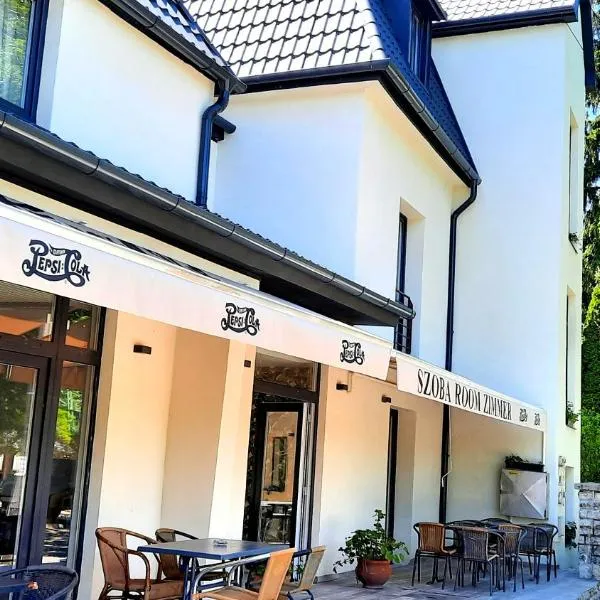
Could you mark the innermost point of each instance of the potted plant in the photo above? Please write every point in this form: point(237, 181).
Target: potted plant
point(513, 461)
point(571, 416)
point(374, 552)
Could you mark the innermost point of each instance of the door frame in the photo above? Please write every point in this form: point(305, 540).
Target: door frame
point(392, 465)
point(26, 534)
point(279, 405)
point(54, 353)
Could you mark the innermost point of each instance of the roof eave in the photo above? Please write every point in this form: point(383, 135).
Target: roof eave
point(563, 14)
point(396, 85)
point(41, 161)
point(149, 24)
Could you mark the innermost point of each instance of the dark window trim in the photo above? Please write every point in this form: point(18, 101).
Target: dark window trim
point(401, 269)
point(392, 464)
point(48, 356)
point(422, 44)
point(33, 73)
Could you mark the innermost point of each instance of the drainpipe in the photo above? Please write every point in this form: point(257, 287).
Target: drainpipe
point(449, 347)
point(208, 119)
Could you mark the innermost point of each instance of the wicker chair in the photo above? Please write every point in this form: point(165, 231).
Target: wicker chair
point(171, 564)
point(475, 550)
point(512, 535)
point(270, 588)
point(432, 538)
point(43, 582)
point(115, 556)
point(309, 574)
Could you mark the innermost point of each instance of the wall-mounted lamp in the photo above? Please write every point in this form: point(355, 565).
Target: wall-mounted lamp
point(386, 399)
point(341, 386)
point(141, 349)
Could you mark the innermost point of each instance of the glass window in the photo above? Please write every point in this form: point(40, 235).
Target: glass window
point(15, 41)
point(17, 393)
point(82, 325)
point(67, 462)
point(26, 312)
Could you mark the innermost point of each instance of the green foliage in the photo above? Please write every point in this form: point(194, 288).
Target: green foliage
point(14, 33)
point(371, 544)
point(15, 404)
point(590, 383)
point(68, 423)
point(571, 534)
point(590, 445)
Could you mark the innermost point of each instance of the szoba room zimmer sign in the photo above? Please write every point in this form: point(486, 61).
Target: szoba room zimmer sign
point(428, 381)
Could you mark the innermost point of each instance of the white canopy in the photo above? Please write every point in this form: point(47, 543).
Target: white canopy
point(55, 255)
point(420, 378)
point(65, 258)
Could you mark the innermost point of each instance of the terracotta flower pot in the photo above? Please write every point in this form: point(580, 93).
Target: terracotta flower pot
point(373, 573)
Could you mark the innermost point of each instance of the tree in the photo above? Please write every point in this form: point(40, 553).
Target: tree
point(590, 383)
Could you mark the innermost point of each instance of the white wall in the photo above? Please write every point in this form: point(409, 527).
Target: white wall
point(515, 262)
point(112, 90)
point(352, 456)
point(131, 435)
point(479, 446)
point(325, 170)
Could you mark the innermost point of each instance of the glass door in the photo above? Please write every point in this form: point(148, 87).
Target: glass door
point(272, 493)
point(22, 387)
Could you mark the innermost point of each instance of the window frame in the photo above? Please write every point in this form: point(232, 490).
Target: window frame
point(418, 43)
point(33, 66)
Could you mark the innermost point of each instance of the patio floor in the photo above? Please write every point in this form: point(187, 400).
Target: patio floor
point(567, 586)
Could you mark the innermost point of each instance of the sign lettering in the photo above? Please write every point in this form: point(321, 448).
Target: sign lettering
point(240, 319)
point(352, 352)
point(56, 264)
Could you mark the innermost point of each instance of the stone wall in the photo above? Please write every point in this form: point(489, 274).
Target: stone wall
point(589, 530)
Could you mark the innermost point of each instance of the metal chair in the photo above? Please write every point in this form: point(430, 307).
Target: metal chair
point(43, 582)
point(270, 588)
point(494, 521)
point(309, 574)
point(512, 535)
point(431, 543)
point(545, 547)
point(115, 556)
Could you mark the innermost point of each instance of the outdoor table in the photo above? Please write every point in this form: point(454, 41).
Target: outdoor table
point(221, 551)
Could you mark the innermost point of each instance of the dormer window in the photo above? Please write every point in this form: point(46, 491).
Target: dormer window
point(419, 43)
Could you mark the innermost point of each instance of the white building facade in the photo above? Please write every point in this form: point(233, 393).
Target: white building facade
point(397, 311)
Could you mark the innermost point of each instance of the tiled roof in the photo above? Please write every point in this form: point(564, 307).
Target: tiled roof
point(177, 18)
point(266, 37)
point(458, 10)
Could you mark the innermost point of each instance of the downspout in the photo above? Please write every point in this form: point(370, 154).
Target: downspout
point(208, 119)
point(445, 470)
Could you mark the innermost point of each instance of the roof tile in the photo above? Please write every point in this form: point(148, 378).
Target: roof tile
point(295, 35)
point(459, 10)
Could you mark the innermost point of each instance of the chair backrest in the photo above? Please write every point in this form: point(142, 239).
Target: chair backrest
point(112, 544)
point(495, 521)
point(474, 543)
point(511, 535)
point(170, 563)
point(546, 532)
point(311, 566)
point(431, 537)
point(530, 538)
point(277, 568)
point(45, 582)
